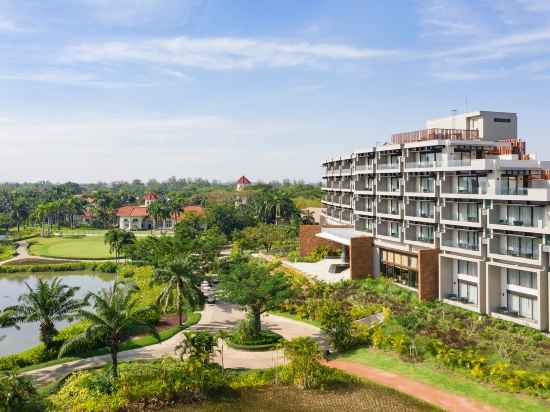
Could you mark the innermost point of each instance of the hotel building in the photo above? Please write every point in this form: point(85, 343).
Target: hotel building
point(457, 212)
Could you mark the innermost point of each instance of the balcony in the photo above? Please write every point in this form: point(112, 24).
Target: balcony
point(471, 248)
point(529, 254)
point(434, 134)
point(364, 167)
point(364, 225)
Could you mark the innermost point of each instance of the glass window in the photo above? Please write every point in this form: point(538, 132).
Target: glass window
point(413, 262)
point(466, 268)
point(467, 291)
point(522, 278)
point(523, 306)
point(426, 184)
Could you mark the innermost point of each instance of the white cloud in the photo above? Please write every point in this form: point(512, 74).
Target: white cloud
point(221, 53)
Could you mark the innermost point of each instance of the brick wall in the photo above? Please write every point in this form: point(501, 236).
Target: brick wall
point(428, 274)
point(309, 242)
point(361, 257)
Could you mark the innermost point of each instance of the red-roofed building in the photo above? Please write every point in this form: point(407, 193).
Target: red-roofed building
point(136, 217)
point(242, 183)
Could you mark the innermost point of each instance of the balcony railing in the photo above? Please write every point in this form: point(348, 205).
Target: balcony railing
point(461, 245)
point(385, 166)
point(533, 254)
point(435, 134)
point(508, 191)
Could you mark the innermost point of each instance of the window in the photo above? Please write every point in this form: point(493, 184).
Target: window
point(521, 246)
point(522, 278)
point(522, 306)
point(394, 184)
point(501, 120)
point(466, 268)
point(520, 215)
point(394, 206)
point(468, 184)
point(468, 212)
point(467, 291)
point(425, 233)
point(395, 229)
point(511, 185)
point(425, 208)
point(426, 184)
point(468, 239)
point(394, 160)
point(428, 157)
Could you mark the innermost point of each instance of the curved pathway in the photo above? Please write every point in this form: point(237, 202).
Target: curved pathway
point(214, 318)
point(224, 316)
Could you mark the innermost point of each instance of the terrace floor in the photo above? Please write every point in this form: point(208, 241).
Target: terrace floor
point(320, 270)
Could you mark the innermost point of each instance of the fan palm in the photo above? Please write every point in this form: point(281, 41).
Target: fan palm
point(47, 303)
point(181, 284)
point(116, 313)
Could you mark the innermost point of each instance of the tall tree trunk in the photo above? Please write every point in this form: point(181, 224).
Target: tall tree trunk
point(114, 359)
point(256, 321)
point(180, 312)
point(47, 332)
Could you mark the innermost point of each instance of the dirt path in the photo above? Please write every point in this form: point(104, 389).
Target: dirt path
point(448, 401)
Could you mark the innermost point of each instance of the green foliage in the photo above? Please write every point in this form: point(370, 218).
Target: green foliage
point(255, 285)
point(316, 255)
point(337, 323)
point(7, 250)
point(304, 357)
point(47, 303)
point(269, 237)
point(104, 267)
point(199, 346)
point(18, 394)
point(145, 385)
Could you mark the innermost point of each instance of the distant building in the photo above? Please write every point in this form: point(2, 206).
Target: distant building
point(136, 217)
point(242, 197)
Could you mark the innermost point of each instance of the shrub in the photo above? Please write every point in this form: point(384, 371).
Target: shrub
point(304, 356)
point(17, 393)
point(140, 385)
point(126, 271)
point(336, 322)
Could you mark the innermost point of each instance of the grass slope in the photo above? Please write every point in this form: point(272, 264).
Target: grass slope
point(74, 247)
point(450, 381)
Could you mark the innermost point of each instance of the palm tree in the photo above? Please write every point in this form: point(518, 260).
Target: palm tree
point(49, 302)
point(118, 239)
point(116, 312)
point(181, 284)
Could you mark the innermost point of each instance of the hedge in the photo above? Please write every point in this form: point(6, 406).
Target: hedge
point(106, 267)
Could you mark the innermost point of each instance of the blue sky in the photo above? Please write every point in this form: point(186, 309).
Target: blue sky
point(107, 90)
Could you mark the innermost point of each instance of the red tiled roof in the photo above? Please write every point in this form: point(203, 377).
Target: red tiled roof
point(150, 196)
point(243, 180)
point(88, 214)
point(132, 211)
point(198, 210)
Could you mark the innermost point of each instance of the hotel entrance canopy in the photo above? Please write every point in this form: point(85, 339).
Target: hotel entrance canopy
point(339, 235)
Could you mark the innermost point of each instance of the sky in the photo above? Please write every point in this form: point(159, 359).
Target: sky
point(106, 90)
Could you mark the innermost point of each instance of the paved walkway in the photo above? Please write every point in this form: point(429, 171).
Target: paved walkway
point(214, 318)
point(448, 401)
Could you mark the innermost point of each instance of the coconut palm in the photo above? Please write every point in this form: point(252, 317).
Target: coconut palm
point(47, 303)
point(181, 284)
point(115, 314)
point(117, 240)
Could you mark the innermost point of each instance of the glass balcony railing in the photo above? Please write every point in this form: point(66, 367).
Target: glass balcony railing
point(526, 254)
point(384, 166)
point(512, 191)
point(461, 245)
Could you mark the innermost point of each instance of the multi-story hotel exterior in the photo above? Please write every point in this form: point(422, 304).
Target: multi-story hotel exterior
point(457, 212)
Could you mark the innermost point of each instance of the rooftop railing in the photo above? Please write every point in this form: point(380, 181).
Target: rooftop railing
point(435, 134)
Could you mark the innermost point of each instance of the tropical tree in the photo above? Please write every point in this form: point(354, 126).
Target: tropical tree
point(181, 284)
point(118, 240)
point(47, 303)
point(199, 346)
point(255, 285)
point(116, 313)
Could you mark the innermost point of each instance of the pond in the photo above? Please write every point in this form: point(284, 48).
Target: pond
point(13, 285)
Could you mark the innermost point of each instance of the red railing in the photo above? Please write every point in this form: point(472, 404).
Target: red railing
point(435, 134)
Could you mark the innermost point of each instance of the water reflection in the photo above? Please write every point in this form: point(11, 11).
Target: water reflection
point(13, 285)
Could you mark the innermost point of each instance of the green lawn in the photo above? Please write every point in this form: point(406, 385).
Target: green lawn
point(73, 247)
point(427, 372)
point(296, 317)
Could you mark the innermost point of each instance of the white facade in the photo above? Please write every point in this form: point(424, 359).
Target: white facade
point(488, 214)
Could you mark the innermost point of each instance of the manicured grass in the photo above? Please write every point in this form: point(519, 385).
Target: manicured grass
point(454, 382)
point(73, 247)
point(296, 317)
point(134, 343)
